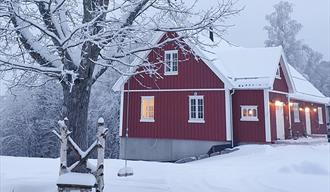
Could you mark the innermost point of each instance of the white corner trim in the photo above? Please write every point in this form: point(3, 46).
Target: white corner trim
point(267, 116)
point(121, 113)
point(228, 115)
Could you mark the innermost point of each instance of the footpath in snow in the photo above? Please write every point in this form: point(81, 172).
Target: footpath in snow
point(255, 168)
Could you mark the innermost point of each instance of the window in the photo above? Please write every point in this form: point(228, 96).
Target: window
point(278, 73)
point(196, 109)
point(295, 107)
point(171, 62)
point(320, 114)
point(147, 109)
point(249, 113)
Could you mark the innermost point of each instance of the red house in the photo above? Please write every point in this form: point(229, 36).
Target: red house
point(207, 98)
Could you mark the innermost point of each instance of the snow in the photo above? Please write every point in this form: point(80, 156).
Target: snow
point(248, 67)
point(257, 168)
point(304, 89)
point(82, 179)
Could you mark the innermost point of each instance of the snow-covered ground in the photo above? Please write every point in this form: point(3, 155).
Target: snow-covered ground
point(255, 168)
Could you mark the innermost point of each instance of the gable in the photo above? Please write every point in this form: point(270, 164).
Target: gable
point(280, 83)
point(193, 72)
point(196, 71)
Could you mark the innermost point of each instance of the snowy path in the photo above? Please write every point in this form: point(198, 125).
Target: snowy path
point(256, 168)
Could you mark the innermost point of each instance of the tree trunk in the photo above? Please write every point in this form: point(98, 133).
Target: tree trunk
point(75, 108)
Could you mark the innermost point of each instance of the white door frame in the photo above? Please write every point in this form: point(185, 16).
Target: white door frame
point(280, 132)
point(308, 122)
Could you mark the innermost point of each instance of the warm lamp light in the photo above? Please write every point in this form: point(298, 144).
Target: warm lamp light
point(300, 109)
point(314, 109)
point(307, 109)
point(291, 104)
point(278, 103)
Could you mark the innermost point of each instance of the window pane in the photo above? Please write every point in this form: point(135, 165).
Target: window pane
point(245, 113)
point(192, 108)
point(168, 62)
point(175, 62)
point(147, 108)
point(254, 113)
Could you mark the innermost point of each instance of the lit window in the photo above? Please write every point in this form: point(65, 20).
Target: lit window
point(278, 73)
point(171, 62)
point(320, 114)
point(249, 113)
point(147, 109)
point(196, 109)
point(295, 107)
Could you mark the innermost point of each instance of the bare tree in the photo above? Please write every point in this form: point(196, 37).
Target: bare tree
point(76, 41)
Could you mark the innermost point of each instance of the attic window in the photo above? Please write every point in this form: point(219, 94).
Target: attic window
point(171, 62)
point(278, 73)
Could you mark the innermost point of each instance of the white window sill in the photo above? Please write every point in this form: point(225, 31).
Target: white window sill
point(196, 121)
point(321, 123)
point(249, 119)
point(278, 77)
point(147, 120)
point(171, 73)
point(296, 121)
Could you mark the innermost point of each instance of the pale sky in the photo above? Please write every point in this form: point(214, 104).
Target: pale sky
point(313, 15)
point(248, 30)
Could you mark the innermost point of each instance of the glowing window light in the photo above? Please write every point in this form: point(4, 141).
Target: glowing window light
point(278, 103)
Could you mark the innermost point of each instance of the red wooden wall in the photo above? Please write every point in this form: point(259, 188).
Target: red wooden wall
point(281, 84)
point(299, 127)
point(171, 116)
point(192, 73)
point(172, 107)
point(248, 131)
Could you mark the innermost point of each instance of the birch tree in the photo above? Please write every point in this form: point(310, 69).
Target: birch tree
point(76, 41)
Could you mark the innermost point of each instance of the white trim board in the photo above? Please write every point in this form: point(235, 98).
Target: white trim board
point(121, 113)
point(267, 116)
point(173, 90)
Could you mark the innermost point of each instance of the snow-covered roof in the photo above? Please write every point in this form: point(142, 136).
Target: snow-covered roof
point(304, 90)
point(247, 68)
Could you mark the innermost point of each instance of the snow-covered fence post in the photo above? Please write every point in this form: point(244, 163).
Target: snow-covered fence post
point(64, 133)
point(101, 134)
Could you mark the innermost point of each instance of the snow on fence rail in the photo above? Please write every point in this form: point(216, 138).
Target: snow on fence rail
point(67, 180)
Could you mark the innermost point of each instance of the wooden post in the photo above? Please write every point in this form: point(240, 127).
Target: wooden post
point(101, 133)
point(64, 146)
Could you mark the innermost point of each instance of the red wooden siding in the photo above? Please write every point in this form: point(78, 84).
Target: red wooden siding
point(248, 131)
point(172, 107)
point(281, 84)
point(299, 128)
point(171, 116)
point(273, 97)
point(192, 73)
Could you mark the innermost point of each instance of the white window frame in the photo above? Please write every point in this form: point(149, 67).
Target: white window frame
point(320, 115)
point(144, 119)
point(249, 118)
point(296, 112)
point(278, 73)
point(171, 72)
point(196, 119)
